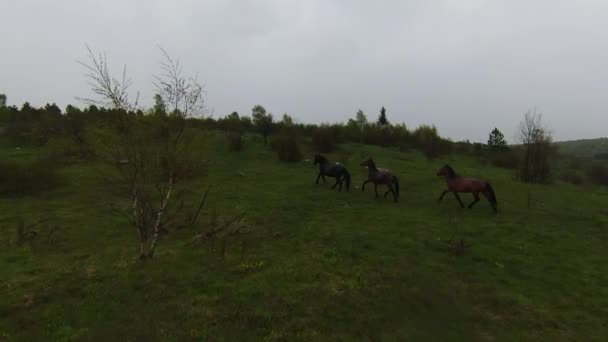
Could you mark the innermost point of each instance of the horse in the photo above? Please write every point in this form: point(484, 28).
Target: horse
point(326, 168)
point(380, 176)
point(457, 183)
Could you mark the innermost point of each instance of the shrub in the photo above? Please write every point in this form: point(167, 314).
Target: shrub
point(507, 159)
point(323, 140)
point(571, 177)
point(28, 178)
point(430, 143)
point(477, 149)
point(599, 174)
point(463, 147)
point(235, 141)
point(79, 151)
point(287, 148)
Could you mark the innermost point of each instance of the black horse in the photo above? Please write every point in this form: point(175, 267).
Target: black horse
point(326, 168)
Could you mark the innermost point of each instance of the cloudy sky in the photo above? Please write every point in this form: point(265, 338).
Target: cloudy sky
point(463, 65)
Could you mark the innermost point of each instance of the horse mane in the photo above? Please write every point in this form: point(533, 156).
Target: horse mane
point(321, 158)
point(451, 172)
point(372, 164)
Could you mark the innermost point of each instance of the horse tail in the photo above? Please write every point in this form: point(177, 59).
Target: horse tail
point(347, 179)
point(396, 181)
point(492, 195)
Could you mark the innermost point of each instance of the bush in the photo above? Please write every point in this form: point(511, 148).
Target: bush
point(430, 143)
point(599, 174)
point(287, 148)
point(323, 140)
point(507, 159)
point(235, 141)
point(28, 178)
point(571, 177)
point(64, 151)
point(79, 152)
point(25, 134)
point(477, 149)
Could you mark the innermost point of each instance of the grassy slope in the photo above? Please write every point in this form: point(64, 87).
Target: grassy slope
point(314, 264)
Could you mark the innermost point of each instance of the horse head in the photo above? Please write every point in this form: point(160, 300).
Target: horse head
point(319, 159)
point(446, 171)
point(369, 162)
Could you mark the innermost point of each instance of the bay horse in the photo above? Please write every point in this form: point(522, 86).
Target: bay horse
point(326, 168)
point(380, 176)
point(457, 183)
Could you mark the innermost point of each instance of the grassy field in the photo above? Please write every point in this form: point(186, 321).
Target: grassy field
point(311, 264)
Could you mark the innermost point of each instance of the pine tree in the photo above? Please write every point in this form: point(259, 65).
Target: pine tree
point(496, 141)
point(382, 118)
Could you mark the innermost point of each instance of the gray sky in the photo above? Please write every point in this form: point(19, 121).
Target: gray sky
point(464, 65)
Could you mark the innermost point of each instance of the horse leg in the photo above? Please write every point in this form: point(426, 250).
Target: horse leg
point(323, 178)
point(363, 185)
point(318, 177)
point(376, 189)
point(337, 181)
point(391, 189)
point(459, 200)
point(485, 194)
point(476, 195)
point(442, 194)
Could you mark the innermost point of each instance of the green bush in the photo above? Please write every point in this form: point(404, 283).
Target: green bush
point(572, 177)
point(323, 140)
point(598, 173)
point(287, 148)
point(28, 178)
point(235, 141)
point(507, 159)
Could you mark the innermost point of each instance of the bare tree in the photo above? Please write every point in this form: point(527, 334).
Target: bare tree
point(183, 96)
point(536, 141)
point(150, 161)
point(111, 92)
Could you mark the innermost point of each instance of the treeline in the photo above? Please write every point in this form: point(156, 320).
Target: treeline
point(531, 160)
point(29, 125)
point(325, 137)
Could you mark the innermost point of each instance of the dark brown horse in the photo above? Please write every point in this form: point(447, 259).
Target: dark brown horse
point(458, 184)
point(379, 176)
point(326, 168)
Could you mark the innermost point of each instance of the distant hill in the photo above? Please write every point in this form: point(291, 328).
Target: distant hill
point(587, 148)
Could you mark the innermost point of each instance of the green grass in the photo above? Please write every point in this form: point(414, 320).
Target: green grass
point(310, 263)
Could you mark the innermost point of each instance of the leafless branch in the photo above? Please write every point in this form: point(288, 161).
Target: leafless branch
point(185, 96)
point(111, 92)
point(200, 207)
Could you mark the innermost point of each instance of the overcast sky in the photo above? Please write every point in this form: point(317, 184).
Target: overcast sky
point(463, 65)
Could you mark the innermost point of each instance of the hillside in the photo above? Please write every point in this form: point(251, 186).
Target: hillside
point(586, 148)
point(309, 263)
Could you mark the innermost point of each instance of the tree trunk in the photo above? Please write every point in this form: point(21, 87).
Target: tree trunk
point(159, 217)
